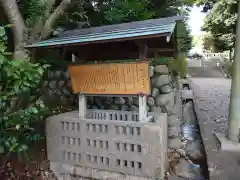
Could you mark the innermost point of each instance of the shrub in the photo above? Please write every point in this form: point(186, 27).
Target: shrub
point(20, 106)
point(181, 66)
point(176, 66)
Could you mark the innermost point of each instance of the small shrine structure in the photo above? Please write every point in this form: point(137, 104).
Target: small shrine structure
point(111, 141)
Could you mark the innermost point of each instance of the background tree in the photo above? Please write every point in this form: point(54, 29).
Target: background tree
point(20, 105)
point(34, 20)
point(221, 22)
point(120, 11)
point(208, 42)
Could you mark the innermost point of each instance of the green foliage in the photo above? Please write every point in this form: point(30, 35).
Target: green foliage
point(221, 23)
point(128, 10)
point(207, 5)
point(75, 17)
point(176, 66)
point(125, 11)
point(20, 107)
point(103, 12)
point(179, 66)
point(184, 39)
point(159, 61)
point(208, 42)
point(32, 10)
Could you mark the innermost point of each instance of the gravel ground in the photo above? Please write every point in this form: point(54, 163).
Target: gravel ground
point(211, 105)
point(212, 95)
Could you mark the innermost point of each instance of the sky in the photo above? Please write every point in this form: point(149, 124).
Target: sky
point(196, 20)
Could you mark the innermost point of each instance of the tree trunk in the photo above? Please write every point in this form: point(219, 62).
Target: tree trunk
point(21, 37)
point(55, 16)
point(18, 27)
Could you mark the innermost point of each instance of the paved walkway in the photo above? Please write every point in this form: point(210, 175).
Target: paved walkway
point(211, 104)
point(204, 68)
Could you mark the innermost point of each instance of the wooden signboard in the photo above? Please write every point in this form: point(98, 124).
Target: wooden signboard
point(114, 78)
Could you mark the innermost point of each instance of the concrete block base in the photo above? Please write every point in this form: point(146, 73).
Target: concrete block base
point(225, 144)
point(64, 172)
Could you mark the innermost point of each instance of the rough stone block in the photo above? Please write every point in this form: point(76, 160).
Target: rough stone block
point(160, 81)
point(162, 69)
point(52, 84)
point(155, 92)
point(151, 71)
point(134, 108)
point(150, 101)
point(174, 120)
point(166, 89)
point(124, 107)
point(165, 99)
point(119, 101)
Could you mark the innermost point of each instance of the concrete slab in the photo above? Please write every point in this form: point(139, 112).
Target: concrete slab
point(225, 144)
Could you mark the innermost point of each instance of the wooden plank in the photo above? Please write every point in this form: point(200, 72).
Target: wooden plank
point(114, 78)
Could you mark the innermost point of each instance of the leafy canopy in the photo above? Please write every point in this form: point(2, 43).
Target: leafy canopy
point(20, 107)
point(220, 22)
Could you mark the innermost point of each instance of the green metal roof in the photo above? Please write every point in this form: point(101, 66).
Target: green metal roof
point(112, 32)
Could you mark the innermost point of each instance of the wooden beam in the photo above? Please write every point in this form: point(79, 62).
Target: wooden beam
point(104, 41)
point(33, 54)
point(73, 58)
point(63, 53)
point(160, 50)
point(142, 49)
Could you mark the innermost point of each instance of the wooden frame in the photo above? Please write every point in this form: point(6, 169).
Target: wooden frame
point(111, 78)
point(142, 97)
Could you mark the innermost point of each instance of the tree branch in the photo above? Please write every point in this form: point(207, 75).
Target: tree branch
point(14, 16)
point(56, 15)
point(39, 25)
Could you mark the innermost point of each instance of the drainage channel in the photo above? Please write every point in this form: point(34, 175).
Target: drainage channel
point(193, 161)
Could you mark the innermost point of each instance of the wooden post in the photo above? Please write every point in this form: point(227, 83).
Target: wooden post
point(142, 108)
point(234, 113)
point(142, 52)
point(33, 54)
point(63, 53)
point(73, 58)
point(82, 105)
point(142, 49)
